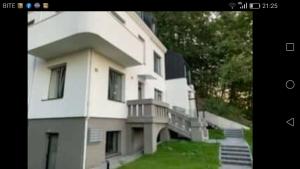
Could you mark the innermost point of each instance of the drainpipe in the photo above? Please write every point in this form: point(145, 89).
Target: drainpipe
point(88, 83)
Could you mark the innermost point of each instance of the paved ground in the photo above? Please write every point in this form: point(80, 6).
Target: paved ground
point(235, 153)
point(227, 166)
point(118, 161)
point(234, 142)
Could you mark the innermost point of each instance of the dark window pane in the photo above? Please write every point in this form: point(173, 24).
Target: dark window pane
point(52, 151)
point(157, 63)
point(157, 95)
point(115, 86)
point(112, 142)
point(57, 82)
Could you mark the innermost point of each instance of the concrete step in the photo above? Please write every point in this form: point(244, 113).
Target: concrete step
point(233, 146)
point(237, 162)
point(234, 157)
point(235, 149)
point(233, 136)
point(233, 130)
point(235, 153)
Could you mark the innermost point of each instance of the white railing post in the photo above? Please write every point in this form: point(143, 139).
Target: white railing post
point(143, 109)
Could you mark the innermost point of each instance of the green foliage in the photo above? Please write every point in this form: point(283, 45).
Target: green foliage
point(177, 154)
point(218, 48)
point(216, 134)
point(227, 110)
point(249, 137)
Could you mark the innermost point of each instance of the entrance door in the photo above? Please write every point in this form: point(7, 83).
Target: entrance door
point(52, 150)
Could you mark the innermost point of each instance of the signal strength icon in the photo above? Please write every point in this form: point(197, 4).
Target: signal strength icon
point(232, 5)
point(243, 5)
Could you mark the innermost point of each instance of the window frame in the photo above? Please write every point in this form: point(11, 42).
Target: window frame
point(160, 93)
point(122, 85)
point(157, 56)
point(116, 133)
point(50, 136)
point(64, 84)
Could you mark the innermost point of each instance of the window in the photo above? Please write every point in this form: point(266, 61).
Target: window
point(112, 142)
point(157, 63)
point(52, 150)
point(115, 86)
point(157, 95)
point(141, 90)
point(144, 48)
point(57, 82)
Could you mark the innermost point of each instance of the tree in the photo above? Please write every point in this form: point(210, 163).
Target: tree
point(218, 48)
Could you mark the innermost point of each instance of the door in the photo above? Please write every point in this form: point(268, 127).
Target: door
point(52, 150)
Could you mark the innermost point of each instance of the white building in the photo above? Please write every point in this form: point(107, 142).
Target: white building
point(97, 88)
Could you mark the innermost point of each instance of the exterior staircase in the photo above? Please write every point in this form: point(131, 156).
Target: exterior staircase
point(157, 112)
point(234, 133)
point(193, 128)
point(234, 151)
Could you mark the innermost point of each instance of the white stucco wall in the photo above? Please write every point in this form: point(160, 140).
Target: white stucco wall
point(89, 94)
point(102, 25)
point(177, 94)
point(73, 102)
point(39, 16)
point(30, 72)
point(99, 104)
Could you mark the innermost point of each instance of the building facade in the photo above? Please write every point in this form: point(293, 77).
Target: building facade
point(97, 88)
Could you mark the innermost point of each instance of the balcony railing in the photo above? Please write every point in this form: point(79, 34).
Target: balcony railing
point(147, 110)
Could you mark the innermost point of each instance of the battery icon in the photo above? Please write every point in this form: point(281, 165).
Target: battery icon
point(254, 5)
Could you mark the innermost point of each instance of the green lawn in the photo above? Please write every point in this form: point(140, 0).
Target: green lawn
point(248, 137)
point(178, 154)
point(216, 134)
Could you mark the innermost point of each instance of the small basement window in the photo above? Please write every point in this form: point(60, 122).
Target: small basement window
point(112, 143)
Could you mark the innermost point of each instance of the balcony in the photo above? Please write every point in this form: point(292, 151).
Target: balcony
point(147, 111)
point(67, 32)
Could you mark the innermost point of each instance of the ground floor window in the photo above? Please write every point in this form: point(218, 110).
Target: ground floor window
point(112, 142)
point(52, 150)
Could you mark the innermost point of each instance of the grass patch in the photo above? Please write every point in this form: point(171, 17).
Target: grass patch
point(249, 137)
point(216, 134)
point(178, 154)
point(219, 107)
